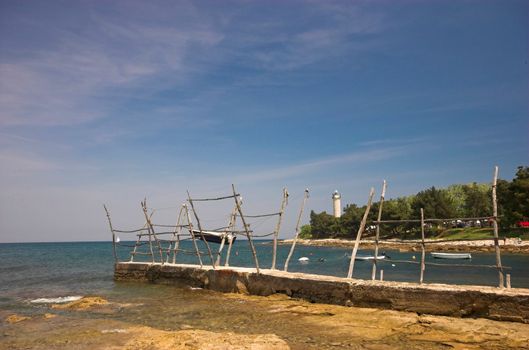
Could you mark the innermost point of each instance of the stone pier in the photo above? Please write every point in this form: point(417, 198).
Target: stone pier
point(436, 299)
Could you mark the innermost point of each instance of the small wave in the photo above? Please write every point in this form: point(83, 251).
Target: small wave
point(58, 300)
point(115, 330)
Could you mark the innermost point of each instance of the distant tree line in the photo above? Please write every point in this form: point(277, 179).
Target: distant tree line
point(470, 200)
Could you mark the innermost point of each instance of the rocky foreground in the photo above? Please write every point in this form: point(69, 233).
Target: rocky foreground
point(278, 323)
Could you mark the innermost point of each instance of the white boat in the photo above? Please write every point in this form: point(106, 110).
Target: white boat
point(370, 257)
point(303, 259)
point(452, 255)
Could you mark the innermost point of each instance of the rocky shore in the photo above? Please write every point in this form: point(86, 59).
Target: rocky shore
point(510, 245)
point(277, 322)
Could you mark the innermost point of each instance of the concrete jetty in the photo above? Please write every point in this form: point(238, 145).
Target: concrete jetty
point(436, 299)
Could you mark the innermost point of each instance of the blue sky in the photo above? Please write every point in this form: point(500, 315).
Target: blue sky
point(113, 101)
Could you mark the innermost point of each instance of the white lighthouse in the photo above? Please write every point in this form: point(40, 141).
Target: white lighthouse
point(337, 204)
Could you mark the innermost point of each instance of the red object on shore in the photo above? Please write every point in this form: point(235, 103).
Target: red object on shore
point(523, 224)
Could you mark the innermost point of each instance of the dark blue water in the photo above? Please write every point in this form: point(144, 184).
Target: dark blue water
point(44, 270)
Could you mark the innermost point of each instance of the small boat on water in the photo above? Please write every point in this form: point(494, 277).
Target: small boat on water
point(452, 255)
point(370, 257)
point(214, 236)
point(303, 259)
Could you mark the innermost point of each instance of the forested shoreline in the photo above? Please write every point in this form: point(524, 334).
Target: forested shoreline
point(458, 200)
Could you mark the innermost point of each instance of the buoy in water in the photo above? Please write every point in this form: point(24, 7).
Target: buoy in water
point(393, 265)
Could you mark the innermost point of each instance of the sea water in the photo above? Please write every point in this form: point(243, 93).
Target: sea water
point(32, 271)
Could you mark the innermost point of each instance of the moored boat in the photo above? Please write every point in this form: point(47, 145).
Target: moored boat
point(214, 236)
point(370, 257)
point(452, 255)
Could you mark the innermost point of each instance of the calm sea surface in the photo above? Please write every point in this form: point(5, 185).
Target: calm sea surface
point(44, 270)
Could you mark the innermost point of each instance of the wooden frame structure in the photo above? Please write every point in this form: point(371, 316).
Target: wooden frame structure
point(147, 235)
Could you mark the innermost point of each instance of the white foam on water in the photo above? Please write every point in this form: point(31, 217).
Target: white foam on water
point(115, 330)
point(58, 300)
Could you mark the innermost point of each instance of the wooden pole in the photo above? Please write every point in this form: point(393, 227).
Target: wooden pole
point(190, 226)
point(151, 232)
point(113, 234)
point(379, 217)
point(278, 226)
point(508, 281)
point(148, 230)
point(495, 223)
point(228, 229)
point(133, 253)
point(305, 197)
point(381, 275)
point(200, 230)
point(230, 242)
point(248, 235)
point(176, 237)
point(359, 234)
point(423, 250)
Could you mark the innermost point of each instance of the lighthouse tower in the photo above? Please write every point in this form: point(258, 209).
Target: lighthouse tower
point(337, 204)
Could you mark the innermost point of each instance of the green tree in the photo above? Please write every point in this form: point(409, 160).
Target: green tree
point(324, 225)
point(436, 203)
point(513, 198)
point(478, 200)
point(306, 232)
point(350, 220)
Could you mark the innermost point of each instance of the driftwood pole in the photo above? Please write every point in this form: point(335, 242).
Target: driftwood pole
point(143, 207)
point(190, 226)
point(226, 233)
point(495, 223)
point(230, 242)
point(200, 230)
point(176, 237)
point(278, 226)
point(305, 197)
point(113, 234)
point(151, 232)
point(421, 278)
point(359, 234)
point(248, 235)
point(133, 253)
point(379, 217)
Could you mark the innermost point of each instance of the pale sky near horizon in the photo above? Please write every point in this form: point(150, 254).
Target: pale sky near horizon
point(112, 101)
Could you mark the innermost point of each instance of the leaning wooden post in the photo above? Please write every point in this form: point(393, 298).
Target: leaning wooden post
point(113, 234)
point(423, 253)
point(359, 234)
point(230, 243)
point(297, 229)
point(151, 232)
point(190, 227)
point(143, 207)
point(495, 223)
point(278, 226)
point(176, 237)
point(379, 217)
point(226, 232)
point(200, 230)
point(248, 235)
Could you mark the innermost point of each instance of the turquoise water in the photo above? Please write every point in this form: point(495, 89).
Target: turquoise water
point(42, 270)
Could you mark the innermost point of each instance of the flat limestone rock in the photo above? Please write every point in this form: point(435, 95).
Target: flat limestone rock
point(16, 318)
point(150, 338)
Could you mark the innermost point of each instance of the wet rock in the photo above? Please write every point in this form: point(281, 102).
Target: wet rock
point(82, 304)
point(16, 318)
